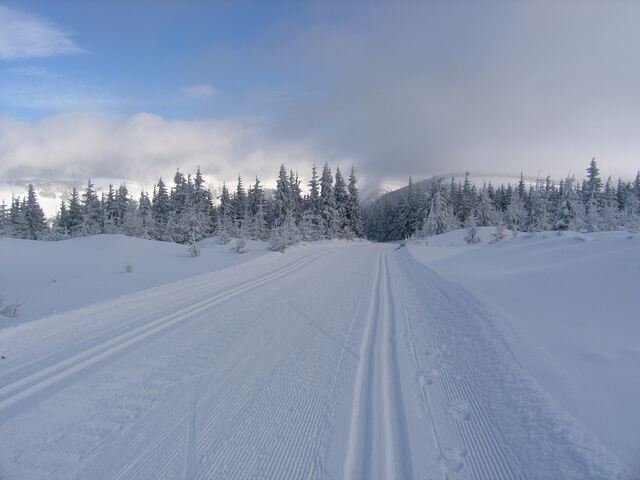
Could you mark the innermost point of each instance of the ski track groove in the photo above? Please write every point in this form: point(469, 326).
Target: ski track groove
point(49, 376)
point(266, 407)
point(141, 440)
point(131, 304)
point(378, 429)
point(204, 283)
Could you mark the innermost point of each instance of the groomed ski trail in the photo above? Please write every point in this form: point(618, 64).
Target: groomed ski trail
point(348, 360)
point(378, 446)
point(42, 379)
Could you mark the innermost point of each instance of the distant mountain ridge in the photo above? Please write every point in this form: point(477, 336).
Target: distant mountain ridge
point(424, 184)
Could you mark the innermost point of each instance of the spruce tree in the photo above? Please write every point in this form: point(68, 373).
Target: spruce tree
point(327, 203)
point(283, 198)
point(92, 216)
point(145, 215)
point(74, 214)
point(486, 212)
point(593, 185)
point(35, 224)
point(160, 211)
point(352, 210)
point(439, 218)
point(516, 215)
point(341, 199)
point(314, 225)
point(4, 220)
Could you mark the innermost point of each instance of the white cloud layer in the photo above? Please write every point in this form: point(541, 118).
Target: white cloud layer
point(141, 148)
point(204, 90)
point(26, 36)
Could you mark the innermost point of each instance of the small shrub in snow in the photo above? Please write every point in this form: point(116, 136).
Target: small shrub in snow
point(241, 246)
point(472, 236)
point(223, 236)
point(193, 250)
point(499, 234)
point(9, 310)
point(128, 268)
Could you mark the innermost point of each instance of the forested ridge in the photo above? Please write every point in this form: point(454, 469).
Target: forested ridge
point(327, 207)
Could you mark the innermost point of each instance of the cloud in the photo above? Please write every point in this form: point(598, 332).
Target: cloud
point(203, 90)
point(141, 148)
point(416, 88)
point(31, 71)
point(27, 36)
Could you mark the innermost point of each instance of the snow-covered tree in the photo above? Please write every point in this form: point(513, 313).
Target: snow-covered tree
point(160, 211)
point(4, 219)
point(486, 212)
point(516, 215)
point(328, 203)
point(92, 215)
point(352, 209)
point(570, 211)
point(539, 215)
point(592, 218)
point(34, 221)
point(439, 218)
point(282, 200)
point(341, 199)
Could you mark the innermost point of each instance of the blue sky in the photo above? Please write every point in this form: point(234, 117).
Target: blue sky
point(398, 89)
point(144, 55)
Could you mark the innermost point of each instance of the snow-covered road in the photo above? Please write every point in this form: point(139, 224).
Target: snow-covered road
point(331, 361)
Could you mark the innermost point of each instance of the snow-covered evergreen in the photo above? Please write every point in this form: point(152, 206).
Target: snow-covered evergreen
point(328, 208)
point(594, 205)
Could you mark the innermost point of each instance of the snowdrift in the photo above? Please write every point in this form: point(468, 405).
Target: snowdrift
point(54, 277)
point(568, 306)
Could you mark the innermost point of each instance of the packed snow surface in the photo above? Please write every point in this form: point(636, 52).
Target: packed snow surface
point(334, 360)
point(569, 306)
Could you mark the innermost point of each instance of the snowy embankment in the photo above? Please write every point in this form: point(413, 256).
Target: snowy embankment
point(54, 277)
point(568, 307)
point(333, 360)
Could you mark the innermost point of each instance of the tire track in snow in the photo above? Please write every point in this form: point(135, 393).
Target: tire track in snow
point(30, 385)
point(378, 446)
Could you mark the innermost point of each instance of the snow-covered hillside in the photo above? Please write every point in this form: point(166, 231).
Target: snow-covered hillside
point(333, 360)
point(568, 306)
point(53, 277)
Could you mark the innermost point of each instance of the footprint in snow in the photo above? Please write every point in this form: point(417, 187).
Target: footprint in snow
point(460, 410)
point(452, 459)
point(427, 377)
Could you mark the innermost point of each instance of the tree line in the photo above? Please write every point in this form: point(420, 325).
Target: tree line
point(188, 211)
point(592, 205)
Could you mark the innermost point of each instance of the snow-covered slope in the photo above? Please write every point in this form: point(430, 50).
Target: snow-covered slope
point(334, 360)
point(569, 308)
point(53, 277)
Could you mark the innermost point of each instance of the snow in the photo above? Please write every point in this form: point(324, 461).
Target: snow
point(333, 360)
point(568, 306)
point(54, 277)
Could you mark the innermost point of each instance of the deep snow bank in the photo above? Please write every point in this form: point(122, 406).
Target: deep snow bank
point(53, 277)
point(569, 307)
